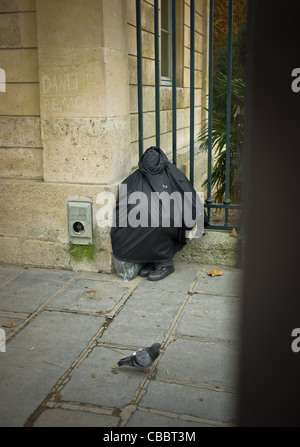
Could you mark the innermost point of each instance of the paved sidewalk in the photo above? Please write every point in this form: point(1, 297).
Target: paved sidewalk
point(69, 329)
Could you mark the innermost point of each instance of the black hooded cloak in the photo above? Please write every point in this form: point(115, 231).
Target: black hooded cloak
point(138, 204)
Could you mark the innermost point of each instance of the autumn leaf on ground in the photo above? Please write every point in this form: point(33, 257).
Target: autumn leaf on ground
point(215, 272)
point(234, 233)
point(9, 325)
point(91, 291)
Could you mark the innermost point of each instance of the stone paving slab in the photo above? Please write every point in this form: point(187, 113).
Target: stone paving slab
point(6, 271)
point(63, 347)
point(210, 316)
point(9, 319)
point(89, 296)
point(37, 357)
point(229, 283)
point(96, 382)
point(146, 317)
point(150, 310)
point(205, 363)
point(32, 288)
point(146, 419)
point(57, 417)
point(189, 400)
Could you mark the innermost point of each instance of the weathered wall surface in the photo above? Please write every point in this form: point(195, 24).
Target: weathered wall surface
point(84, 92)
point(20, 136)
point(68, 118)
point(34, 231)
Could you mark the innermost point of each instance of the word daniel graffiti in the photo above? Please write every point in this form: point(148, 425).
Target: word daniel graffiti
point(163, 210)
point(60, 92)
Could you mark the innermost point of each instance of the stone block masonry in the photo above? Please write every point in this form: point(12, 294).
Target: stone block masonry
point(68, 118)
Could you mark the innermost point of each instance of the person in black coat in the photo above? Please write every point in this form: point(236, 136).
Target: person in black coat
point(156, 208)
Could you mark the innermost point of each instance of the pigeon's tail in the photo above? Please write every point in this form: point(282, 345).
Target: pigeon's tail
point(125, 361)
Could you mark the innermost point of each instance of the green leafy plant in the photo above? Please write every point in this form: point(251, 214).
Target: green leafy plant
point(219, 138)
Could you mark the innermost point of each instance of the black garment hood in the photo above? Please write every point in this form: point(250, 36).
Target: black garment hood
point(143, 242)
point(153, 161)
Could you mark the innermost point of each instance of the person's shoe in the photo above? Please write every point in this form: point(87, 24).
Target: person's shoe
point(160, 273)
point(148, 268)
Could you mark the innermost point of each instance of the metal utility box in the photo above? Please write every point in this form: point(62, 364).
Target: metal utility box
point(80, 223)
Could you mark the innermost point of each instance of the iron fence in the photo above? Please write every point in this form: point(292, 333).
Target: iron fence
point(209, 202)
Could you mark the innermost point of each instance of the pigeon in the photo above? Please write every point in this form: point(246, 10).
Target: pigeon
point(143, 358)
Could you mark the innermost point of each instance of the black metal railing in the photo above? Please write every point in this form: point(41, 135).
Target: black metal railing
point(209, 202)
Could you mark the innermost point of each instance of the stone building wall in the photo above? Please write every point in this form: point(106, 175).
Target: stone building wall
point(21, 151)
point(68, 119)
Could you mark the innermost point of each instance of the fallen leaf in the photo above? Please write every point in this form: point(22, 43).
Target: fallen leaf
point(215, 272)
point(93, 375)
point(167, 372)
point(198, 315)
point(91, 291)
point(234, 233)
point(114, 367)
point(9, 325)
point(206, 312)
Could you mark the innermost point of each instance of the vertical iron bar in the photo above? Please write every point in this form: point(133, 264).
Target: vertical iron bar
point(174, 81)
point(227, 201)
point(157, 77)
point(139, 74)
point(192, 90)
point(209, 199)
